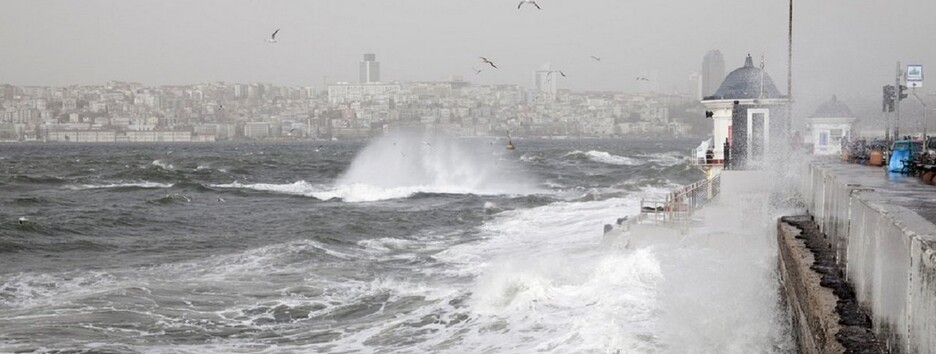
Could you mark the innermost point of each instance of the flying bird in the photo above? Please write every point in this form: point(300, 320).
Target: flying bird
point(639, 78)
point(273, 37)
point(530, 2)
point(486, 61)
point(477, 71)
point(557, 71)
point(596, 58)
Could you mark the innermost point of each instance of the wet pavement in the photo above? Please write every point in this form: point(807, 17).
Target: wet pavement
point(897, 189)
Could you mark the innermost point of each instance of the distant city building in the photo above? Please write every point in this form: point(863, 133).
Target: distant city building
point(345, 92)
point(256, 130)
point(695, 86)
point(546, 80)
point(370, 69)
point(713, 72)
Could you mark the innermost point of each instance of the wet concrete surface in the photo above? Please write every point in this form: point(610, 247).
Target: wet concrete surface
point(903, 190)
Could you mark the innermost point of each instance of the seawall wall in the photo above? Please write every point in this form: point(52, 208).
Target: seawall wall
point(887, 252)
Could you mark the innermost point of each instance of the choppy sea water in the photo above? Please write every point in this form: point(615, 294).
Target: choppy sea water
point(404, 244)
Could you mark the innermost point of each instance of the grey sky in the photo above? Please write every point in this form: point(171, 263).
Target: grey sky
point(849, 47)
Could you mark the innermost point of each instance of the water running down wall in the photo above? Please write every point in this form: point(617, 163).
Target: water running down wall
point(887, 250)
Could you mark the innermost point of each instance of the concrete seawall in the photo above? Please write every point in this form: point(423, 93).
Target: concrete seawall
point(880, 235)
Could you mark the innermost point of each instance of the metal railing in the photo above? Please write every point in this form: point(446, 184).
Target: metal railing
point(676, 209)
point(698, 158)
point(680, 204)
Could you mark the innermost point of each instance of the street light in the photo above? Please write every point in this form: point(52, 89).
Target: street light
point(789, 70)
point(924, 112)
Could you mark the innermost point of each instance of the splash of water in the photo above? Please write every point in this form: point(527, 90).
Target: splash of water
point(404, 163)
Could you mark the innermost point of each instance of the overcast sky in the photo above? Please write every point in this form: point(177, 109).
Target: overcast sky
point(848, 47)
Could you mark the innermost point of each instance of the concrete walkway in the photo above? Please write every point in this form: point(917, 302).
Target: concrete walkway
point(902, 190)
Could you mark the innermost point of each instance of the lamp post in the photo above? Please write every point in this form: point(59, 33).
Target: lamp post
point(924, 112)
point(789, 69)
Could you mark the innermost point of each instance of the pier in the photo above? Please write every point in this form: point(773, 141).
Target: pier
point(874, 239)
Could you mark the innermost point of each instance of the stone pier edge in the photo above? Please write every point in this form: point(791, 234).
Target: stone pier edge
point(884, 251)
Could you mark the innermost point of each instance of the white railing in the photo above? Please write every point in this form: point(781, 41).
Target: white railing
point(676, 209)
point(679, 204)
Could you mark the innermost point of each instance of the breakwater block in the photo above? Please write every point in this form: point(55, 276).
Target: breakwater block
point(809, 266)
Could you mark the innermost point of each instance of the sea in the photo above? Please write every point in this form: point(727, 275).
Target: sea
point(407, 243)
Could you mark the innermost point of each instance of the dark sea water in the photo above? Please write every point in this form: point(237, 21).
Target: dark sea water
point(404, 244)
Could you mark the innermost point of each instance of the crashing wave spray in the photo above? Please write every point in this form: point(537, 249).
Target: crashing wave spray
point(404, 163)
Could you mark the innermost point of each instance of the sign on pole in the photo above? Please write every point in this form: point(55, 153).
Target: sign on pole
point(914, 75)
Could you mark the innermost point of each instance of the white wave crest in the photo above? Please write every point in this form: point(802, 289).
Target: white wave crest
point(302, 188)
point(162, 164)
point(121, 185)
point(402, 164)
point(605, 157)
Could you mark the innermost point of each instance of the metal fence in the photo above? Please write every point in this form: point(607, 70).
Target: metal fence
point(681, 203)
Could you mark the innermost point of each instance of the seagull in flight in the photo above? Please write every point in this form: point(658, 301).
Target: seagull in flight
point(639, 78)
point(477, 71)
point(557, 71)
point(596, 58)
point(273, 37)
point(530, 2)
point(486, 61)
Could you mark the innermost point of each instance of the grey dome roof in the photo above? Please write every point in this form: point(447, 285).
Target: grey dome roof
point(745, 83)
point(833, 109)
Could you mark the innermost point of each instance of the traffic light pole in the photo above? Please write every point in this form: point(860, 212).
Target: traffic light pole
point(897, 104)
point(887, 129)
point(913, 91)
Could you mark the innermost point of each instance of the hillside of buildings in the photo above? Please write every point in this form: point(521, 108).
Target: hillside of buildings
point(133, 112)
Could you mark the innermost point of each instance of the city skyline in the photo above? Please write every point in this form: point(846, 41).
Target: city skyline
point(174, 42)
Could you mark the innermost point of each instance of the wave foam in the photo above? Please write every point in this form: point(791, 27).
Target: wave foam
point(607, 158)
point(122, 185)
point(162, 164)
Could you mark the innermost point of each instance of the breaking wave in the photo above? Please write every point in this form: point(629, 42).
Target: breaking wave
point(605, 157)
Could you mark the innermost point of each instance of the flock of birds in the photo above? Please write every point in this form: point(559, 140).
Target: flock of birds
point(484, 60)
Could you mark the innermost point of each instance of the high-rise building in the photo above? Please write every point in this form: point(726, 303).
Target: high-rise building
point(695, 86)
point(370, 69)
point(713, 72)
point(545, 80)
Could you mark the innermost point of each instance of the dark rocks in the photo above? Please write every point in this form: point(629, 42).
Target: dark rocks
point(856, 334)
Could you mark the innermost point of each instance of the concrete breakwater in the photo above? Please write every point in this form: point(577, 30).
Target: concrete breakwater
point(878, 232)
point(826, 316)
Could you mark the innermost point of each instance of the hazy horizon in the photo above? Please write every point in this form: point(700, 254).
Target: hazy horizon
point(839, 48)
